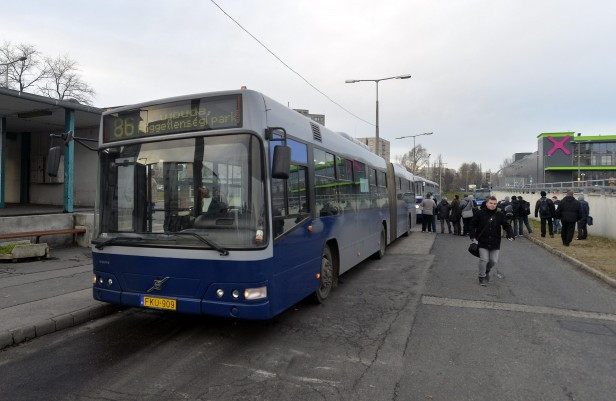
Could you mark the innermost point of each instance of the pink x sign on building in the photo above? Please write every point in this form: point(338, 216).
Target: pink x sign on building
point(559, 145)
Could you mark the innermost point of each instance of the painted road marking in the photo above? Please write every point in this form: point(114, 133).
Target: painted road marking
point(543, 310)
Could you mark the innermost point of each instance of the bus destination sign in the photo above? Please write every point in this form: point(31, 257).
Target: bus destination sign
point(172, 118)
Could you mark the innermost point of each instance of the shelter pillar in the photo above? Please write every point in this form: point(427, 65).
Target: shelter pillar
point(69, 161)
point(3, 164)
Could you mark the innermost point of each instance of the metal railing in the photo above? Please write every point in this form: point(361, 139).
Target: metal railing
point(586, 186)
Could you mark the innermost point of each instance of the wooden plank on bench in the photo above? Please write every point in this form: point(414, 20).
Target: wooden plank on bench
point(39, 234)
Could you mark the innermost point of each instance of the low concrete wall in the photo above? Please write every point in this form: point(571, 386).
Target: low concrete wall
point(18, 224)
point(601, 207)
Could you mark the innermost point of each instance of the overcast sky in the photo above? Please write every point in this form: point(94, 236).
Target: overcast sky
point(488, 76)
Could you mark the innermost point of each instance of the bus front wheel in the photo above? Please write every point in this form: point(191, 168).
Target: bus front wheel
point(326, 277)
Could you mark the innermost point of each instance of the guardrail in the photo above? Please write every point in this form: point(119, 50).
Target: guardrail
point(607, 186)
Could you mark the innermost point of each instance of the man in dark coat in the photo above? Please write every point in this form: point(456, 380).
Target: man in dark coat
point(485, 227)
point(443, 210)
point(545, 210)
point(515, 204)
point(582, 223)
point(456, 215)
point(569, 212)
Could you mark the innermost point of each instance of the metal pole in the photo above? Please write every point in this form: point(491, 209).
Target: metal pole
point(378, 142)
point(414, 157)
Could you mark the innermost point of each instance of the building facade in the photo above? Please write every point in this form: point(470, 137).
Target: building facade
point(318, 118)
point(371, 142)
point(562, 157)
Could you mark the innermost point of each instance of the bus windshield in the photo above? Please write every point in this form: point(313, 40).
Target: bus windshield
point(209, 186)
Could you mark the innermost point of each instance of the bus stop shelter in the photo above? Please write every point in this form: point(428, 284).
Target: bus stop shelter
point(26, 122)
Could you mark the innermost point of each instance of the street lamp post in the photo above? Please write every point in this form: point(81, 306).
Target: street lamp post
point(352, 81)
point(440, 167)
point(6, 79)
point(414, 155)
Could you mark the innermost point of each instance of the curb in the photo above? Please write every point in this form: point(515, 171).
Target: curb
point(17, 336)
point(580, 265)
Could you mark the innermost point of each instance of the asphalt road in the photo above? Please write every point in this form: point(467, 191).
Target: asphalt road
point(413, 326)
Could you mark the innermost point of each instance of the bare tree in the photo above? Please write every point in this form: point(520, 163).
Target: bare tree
point(24, 73)
point(415, 159)
point(64, 82)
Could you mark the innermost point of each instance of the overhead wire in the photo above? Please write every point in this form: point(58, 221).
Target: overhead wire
point(289, 67)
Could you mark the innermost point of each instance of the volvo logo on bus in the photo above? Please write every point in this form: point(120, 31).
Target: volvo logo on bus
point(158, 284)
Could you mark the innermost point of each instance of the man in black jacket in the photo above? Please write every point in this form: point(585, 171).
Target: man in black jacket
point(485, 227)
point(545, 209)
point(569, 212)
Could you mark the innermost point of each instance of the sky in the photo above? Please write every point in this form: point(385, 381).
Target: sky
point(488, 76)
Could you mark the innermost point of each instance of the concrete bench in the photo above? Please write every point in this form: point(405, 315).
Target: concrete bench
point(39, 234)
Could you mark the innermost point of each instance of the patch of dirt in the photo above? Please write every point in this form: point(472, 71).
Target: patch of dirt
point(596, 252)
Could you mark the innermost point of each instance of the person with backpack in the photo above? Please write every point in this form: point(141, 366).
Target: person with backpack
point(583, 222)
point(485, 228)
point(523, 216)
point(468, 211)
point(544, 208)
point(515, 205)
point(507, 209)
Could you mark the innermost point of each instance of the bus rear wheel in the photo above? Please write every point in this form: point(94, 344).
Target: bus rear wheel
point(383, 243)
point(326, 277)
point(408, 227)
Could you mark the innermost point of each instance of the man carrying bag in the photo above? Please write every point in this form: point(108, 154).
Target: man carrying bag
point(488, 223)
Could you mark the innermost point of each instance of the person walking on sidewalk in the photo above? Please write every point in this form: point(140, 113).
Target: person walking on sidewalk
point(485, 227)
point(456, 215)
point(443, 211)
point(545, 209)
point(582, 223)
point(569, 212)
point(557, 225)
point(523, 216)
point(428, 206)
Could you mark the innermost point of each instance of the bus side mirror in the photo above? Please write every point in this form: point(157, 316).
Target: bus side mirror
point(53, 160)
point(281, 166)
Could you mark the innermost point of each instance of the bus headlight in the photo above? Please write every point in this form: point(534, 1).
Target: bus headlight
point(255, 293)
point(416, 206)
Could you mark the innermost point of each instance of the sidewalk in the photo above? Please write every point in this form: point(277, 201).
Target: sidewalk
point(41, 297)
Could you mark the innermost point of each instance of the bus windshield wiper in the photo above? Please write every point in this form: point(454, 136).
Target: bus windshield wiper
point(116, 240)
point(209, 242)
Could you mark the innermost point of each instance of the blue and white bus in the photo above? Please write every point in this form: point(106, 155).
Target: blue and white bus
point(231, 204)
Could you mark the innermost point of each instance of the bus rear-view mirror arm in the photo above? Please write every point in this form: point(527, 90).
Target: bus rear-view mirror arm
point(55, 152)
point(281, 163)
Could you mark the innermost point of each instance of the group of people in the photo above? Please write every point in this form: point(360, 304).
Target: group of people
point(485, 224)
point(457, 214)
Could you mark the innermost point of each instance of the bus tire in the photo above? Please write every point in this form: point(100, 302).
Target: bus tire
point(326, 277)
point(408, 227)
point(382, 244)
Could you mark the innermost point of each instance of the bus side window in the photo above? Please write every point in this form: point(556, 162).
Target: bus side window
point(381, 181)
point(373, 187)
point(326, 190)
point(345, 184)
point(289, 200)
point(362, 186)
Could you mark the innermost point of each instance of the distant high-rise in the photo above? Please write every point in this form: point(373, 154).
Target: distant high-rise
point(371, 142)
point(319, 118)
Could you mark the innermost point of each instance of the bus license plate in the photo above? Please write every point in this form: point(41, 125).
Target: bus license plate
point(159, 303)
